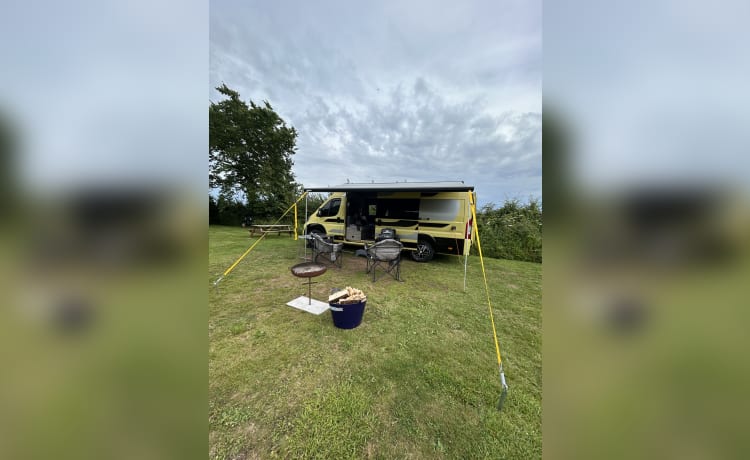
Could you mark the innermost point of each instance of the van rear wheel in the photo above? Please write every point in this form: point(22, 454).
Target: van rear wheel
point(425, 251)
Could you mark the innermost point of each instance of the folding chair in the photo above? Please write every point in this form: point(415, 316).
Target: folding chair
point(385, 254)
point(331, 252)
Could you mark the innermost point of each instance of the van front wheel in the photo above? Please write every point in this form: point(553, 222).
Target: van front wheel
point(317, 231)
point(424, 253)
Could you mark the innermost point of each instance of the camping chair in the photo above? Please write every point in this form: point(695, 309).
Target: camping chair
point(385, 254)
point(331, 252)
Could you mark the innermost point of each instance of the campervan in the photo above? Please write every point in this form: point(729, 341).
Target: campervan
point(427, 217)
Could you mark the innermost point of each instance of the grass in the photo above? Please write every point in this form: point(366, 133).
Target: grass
point(417, 379)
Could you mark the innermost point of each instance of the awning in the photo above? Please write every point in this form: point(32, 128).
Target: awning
point(458, 186)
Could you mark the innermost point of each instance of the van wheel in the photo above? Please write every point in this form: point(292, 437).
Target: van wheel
point(315, 231)
point(424, 253)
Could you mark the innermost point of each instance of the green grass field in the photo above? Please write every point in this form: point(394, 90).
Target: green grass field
point(417, 379)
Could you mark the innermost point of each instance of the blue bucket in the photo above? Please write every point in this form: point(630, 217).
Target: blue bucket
point(347, 316)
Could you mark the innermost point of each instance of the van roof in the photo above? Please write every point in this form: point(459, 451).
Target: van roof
point(457, 186)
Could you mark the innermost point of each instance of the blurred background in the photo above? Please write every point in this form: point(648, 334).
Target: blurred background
point(647, 230)
point(103, 130)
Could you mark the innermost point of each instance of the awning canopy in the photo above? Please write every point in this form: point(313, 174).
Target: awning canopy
point(458, 186)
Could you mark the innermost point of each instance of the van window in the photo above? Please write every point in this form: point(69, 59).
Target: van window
point(335, 205)
point(398, 208)
point(331, 208)
point(445, 210)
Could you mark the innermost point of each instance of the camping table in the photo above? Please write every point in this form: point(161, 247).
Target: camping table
point(261, 229)
point(308, 270)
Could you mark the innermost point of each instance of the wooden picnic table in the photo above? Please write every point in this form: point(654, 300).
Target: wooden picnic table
point(266, 229)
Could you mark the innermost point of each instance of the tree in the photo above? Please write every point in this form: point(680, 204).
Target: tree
point(213, 211)
point(250, 153)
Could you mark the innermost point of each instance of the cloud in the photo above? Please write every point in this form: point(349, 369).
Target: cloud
point(395, 91)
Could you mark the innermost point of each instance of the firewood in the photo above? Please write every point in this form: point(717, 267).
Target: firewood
point(346, 296)
point(338, 295)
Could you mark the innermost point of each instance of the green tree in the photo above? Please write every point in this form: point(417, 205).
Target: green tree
point(213, 211)
point(250, 153)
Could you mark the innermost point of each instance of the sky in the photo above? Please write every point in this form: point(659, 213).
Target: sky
point(651, 99)
point(103, 93)
point(394, 91)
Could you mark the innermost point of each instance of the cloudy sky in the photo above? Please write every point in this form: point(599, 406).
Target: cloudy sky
point(106, 93)
point(393, 91)
point(657, 98)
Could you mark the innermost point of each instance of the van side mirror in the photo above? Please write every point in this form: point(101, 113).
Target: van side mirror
point(319, 213)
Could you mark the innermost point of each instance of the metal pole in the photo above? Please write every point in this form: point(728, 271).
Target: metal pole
point(466, 262)
point(467, 246)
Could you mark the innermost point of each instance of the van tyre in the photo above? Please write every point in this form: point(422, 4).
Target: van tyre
point(425, 251)
point(315, 231)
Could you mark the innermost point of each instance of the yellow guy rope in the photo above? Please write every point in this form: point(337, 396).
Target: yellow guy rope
point(236, 262)
point(295, 216)
point(489, 302)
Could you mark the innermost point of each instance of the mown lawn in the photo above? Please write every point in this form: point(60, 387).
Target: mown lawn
point(417, 379)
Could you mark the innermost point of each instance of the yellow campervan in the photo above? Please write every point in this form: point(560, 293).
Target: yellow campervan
point(428, 217)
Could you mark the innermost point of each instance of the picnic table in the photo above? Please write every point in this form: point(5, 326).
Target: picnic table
point(266, 229)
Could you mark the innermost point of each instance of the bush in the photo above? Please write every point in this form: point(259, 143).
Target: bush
point(512, 232)
point(231, 211)
point(226, 211)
